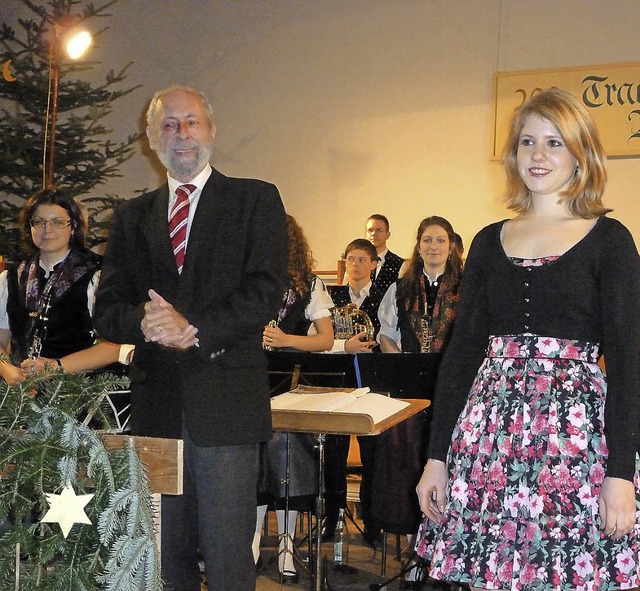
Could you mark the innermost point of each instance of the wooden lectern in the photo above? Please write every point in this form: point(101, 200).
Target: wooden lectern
point(163, 459)
point(335, 422)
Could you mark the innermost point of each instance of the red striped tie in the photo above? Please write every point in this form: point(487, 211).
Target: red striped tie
point(178, 220)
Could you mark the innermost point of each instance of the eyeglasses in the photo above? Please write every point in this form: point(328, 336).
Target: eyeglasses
point(56, 223)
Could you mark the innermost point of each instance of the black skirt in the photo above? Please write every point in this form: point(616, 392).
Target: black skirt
point(303, 468)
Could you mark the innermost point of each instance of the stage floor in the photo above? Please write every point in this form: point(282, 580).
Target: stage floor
point(363, 557)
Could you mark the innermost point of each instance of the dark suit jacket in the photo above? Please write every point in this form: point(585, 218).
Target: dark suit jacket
point(388, 272)
point(231, 285)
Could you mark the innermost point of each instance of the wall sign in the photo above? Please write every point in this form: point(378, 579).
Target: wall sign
point(610, 92)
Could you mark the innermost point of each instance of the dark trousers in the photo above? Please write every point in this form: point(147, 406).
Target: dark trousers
point(336, 451)
point(217, 514)
point(367, 457)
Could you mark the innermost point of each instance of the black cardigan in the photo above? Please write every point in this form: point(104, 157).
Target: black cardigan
point(590, 293)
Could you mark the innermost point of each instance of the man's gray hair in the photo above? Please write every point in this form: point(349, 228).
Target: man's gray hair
point(152, 111)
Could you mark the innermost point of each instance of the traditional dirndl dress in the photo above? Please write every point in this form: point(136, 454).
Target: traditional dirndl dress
point(526, 462)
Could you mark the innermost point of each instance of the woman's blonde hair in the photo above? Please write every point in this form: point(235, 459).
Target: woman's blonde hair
point(583, 196)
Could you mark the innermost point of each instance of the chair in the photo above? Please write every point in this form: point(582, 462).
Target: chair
point(354, 477)
point(354, 470)
point(333, 277)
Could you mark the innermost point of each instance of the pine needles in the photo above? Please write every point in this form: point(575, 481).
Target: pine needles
point(49, 438)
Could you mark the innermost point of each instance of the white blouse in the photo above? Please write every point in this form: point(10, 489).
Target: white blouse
point(319, 305)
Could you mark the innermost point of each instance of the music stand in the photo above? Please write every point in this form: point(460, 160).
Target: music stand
point(403, 375)
point(287, 370)
point(323, 423)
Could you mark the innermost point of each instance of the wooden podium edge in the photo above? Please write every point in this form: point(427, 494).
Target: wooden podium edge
point(342, 423)
point(162, 457)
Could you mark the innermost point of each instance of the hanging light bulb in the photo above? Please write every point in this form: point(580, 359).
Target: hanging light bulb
point(77, 43)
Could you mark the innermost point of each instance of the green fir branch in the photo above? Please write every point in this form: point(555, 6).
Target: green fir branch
point(86, 154)
point(52, 448)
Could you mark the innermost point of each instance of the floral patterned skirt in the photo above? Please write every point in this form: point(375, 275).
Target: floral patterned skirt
point(526, 462)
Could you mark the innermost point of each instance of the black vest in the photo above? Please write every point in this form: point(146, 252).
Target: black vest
point(388, 272)
point(341, 297)
point(295, 322)
point(409, 341)
point(69, 328)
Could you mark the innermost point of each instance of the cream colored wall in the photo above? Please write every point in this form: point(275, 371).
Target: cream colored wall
point(360, 106)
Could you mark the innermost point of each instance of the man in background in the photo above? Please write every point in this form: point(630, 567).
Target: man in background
point(192, 272)
point(388, 267)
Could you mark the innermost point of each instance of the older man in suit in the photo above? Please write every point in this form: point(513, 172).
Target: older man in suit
point(192, 273)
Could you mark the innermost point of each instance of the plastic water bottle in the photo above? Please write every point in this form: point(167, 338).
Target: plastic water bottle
point(341, 544)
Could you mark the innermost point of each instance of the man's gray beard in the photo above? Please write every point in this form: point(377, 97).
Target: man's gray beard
point(185, 169)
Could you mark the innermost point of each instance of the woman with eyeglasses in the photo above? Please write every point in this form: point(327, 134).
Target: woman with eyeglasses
point(46, 301)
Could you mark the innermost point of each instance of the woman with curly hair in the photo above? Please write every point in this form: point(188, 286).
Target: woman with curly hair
point(304, 320)
point(303, 324)
point(417, 312)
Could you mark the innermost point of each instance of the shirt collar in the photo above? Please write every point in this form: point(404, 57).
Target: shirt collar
point(48, 269)
point(435, 279)
point(364, 292)
point(199, 181)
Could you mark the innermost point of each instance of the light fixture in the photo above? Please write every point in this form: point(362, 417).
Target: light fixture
point(75, 43)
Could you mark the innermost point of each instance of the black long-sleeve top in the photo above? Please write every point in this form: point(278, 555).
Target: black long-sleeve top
point(590, 293)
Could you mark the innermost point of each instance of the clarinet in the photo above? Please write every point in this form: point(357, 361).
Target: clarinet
point(272, 324)
point(40, 331)
point(426, 336)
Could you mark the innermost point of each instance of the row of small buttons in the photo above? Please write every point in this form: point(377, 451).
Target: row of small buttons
point(527, 299)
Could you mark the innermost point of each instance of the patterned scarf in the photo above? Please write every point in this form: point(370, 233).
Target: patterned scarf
point(38, 299)
point(444, 310)
point(290, 299)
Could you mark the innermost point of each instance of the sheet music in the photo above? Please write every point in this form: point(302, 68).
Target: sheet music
point(377, 406)
point(318, 400)
point(359, 401)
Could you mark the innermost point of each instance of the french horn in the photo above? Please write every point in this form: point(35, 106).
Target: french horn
point(349, 320)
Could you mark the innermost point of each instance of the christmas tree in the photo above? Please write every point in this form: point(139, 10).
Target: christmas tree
point(85, 155)
point(73, 515)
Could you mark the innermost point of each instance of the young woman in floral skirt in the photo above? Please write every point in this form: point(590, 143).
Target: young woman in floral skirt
point(532, 481)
